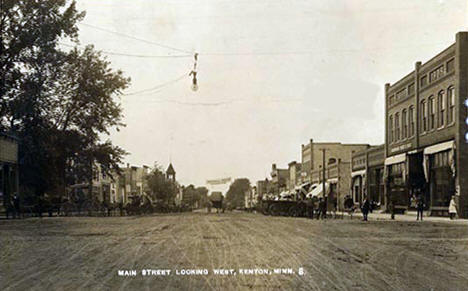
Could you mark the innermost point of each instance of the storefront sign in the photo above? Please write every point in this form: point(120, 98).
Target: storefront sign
point(401, 147)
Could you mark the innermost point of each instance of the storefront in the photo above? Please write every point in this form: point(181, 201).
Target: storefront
point(358, 185)
point(396, 181)
point(440, 173)
point(376, 185)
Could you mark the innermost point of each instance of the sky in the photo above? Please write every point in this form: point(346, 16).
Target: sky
point(271, 74)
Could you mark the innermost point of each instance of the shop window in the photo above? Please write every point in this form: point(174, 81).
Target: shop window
point(431, 109)
point(411, 121)
point(451, 104)
point(441, 108)
point(404, 124)
point(423, 114)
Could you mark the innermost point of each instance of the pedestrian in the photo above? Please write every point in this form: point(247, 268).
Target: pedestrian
point(311, 208)
point(419, 206)
point(323, 209)
point(391, 209)
point(365, 208)
point(452, 208)
point(16, 205)
point(319, 208)
point(335, 206)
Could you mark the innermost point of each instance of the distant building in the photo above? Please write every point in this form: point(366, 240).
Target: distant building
point(251, 197)
point(262, 187)
point(279, 179)
point(9, 169)
point(312, 156)
point(367, 167)
point(100, 185)
point(295, 178)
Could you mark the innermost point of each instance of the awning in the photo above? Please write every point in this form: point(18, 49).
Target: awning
point(332, 180)
point(302, 186)
point(439, 147)
point(395, 159)
point(318, 191)
point(358, 173)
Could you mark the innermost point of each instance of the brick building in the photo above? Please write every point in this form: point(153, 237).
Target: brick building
point(312, 155)
point(367, 175)
point(279, 179)
point(425, 121)
point(295, 179)
point(9, 169)
point(337, 181)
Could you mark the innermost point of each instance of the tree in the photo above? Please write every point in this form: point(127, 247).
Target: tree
point(58, 103)
point(161, 188)
point(235, 196)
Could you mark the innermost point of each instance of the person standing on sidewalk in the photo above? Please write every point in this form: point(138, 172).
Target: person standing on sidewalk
point(452, 208)
point(365, 208)
point(391, 209)
point(419, 206)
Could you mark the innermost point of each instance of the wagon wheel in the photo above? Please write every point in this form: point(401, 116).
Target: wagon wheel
point(293, 211)
point(274, 210)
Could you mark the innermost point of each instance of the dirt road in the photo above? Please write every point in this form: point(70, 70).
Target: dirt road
point(86, 253)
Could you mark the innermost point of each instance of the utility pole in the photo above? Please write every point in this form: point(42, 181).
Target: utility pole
point(323, 171)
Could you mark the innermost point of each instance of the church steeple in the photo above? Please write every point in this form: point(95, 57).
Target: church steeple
point(170, 173)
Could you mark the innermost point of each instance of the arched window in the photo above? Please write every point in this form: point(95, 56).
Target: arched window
point(451, 105)
point(431, 109)
point(390, 129)
point(411, 121)
point(331, 161)
point(423, 114)
point(397, 126)
point(404, 124)
point(441, 105)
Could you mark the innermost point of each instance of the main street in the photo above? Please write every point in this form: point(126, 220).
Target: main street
point(71, 253)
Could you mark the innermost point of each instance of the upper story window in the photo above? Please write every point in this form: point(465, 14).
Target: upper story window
point(441, 105)
point(423, 81)
point(404, 124)
point(391, 100)
point(411, 89)
point(423, 114)
point(431, 109)
point(451, 104)
point(397, 126)
point(450, 65)
point(390, 129)
point(411, 121)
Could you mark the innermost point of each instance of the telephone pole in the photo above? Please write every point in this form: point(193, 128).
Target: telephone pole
point(323, 171)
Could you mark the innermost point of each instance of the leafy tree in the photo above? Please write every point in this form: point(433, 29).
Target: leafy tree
point(59, 103)
point(235, 196)
point(161, 188)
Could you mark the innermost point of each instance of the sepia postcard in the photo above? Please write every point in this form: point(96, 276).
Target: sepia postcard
point(233, 145)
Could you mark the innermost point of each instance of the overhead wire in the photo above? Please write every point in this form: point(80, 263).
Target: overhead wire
point(133, 55)
point(136, 38)
point(156, 88)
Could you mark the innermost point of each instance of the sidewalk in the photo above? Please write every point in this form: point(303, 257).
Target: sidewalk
point(408, 216)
